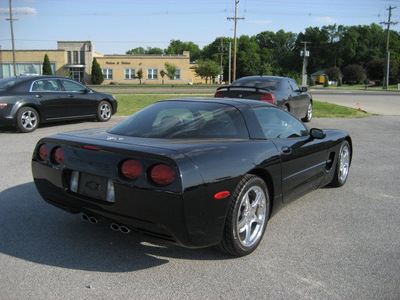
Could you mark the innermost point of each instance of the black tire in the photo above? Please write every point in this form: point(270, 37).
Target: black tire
point(342, 165)
point(104, 111)
point(247, 217)
point(309, 113)
point(27, 119)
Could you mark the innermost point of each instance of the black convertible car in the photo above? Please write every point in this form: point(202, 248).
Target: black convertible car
point(282, 91)
point(195, 172)
point(27, 101)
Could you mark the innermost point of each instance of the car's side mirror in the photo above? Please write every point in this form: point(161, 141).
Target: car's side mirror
point(317, 134)
point(304, 89)
point(86, 91)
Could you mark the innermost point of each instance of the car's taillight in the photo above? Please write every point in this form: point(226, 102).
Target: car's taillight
point(58, 155)
point(131, 169)
point(267, 97)
point(162, 174)
point(43, 152)
point(219, 95)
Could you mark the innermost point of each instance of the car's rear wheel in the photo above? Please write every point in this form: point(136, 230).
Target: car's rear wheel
point(309, 113)
point(342, 165)
point(104, 111)
point(27, 119)
point(247, 217)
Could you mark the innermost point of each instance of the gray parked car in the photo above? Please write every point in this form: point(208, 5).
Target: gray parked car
point(282, 91)
point(27, 101)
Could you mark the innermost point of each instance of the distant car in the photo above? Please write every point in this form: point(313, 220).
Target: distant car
point(194, 172)
point(27, 101)
point(282, 91)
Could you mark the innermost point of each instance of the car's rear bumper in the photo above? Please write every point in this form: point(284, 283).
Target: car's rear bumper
point(151, 212)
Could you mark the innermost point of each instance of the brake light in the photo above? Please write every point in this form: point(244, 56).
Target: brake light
point(222, 195)
point(267, 97)
point(162, 174)
point(58, 155)
point(90, 147)
point(219, 95)
point(131, 169)
point(44, 152)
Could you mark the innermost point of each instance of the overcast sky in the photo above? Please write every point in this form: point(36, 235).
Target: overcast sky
point(116, 26)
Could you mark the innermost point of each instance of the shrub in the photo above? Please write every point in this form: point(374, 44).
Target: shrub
point(354, 74)
point(46, 66)
point(97, 73)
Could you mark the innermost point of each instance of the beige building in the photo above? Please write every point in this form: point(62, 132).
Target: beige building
point(74, 59)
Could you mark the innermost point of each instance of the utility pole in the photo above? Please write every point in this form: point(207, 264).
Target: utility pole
point(387, 61)
point(235, 43)
point(12, 39)
point(221, 50)
point(305, 55)
point(230, 63)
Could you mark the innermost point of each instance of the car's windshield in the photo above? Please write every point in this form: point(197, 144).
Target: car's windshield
point(9, 82)
point(185, 120)
point(268, 83)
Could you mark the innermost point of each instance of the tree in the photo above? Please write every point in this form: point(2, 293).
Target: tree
point(171, 70)
point(207, 69)
point(162, 74)
point(354, 74)
point(333, 73)
point(177, 47)
point(46, 66)
point(140, 75)
point(136, 51)
point(97, 73)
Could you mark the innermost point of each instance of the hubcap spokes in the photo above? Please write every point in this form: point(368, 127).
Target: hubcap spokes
point(29, 119)
point(251, 217)
point(105, 111)
point(344, 163)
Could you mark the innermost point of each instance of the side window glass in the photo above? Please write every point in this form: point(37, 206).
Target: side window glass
point(295, 86)
point(279, 124)
point(73, 87)
point(47, 85)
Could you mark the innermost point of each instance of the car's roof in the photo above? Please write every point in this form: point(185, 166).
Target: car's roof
point(228, 101)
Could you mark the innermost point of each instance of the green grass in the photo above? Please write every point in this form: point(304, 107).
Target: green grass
point(128, 104)
point(329, 110)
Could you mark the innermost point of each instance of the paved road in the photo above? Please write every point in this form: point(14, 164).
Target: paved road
point(330, 244)
point(375, 102)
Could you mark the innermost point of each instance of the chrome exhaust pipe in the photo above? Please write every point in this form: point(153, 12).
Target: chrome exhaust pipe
point(115, 227)
point(91, 219)
point(121, 228)
point(124, 229)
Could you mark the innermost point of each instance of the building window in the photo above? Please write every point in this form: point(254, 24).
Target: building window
point(76, 57)
point(108, 74)
point(7, 70)
point(152, 73)
point(129, 73)
point(69, 57)
point(178, 74)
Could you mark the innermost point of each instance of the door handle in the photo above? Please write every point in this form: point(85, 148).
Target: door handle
point(39, 96)
point(286, 150)
point(71, 96)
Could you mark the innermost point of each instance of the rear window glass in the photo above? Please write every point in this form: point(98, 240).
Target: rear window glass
point(258, 82)
point(184, 120)
point(7, 83)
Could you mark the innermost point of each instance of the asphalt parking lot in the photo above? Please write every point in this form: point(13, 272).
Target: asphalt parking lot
point(339, 243)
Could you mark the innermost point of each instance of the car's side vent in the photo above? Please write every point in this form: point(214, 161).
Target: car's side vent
point(329, 162)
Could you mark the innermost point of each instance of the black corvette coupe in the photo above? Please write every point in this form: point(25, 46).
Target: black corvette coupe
point(27, 101)
point(195, 172)
point(282, 91)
